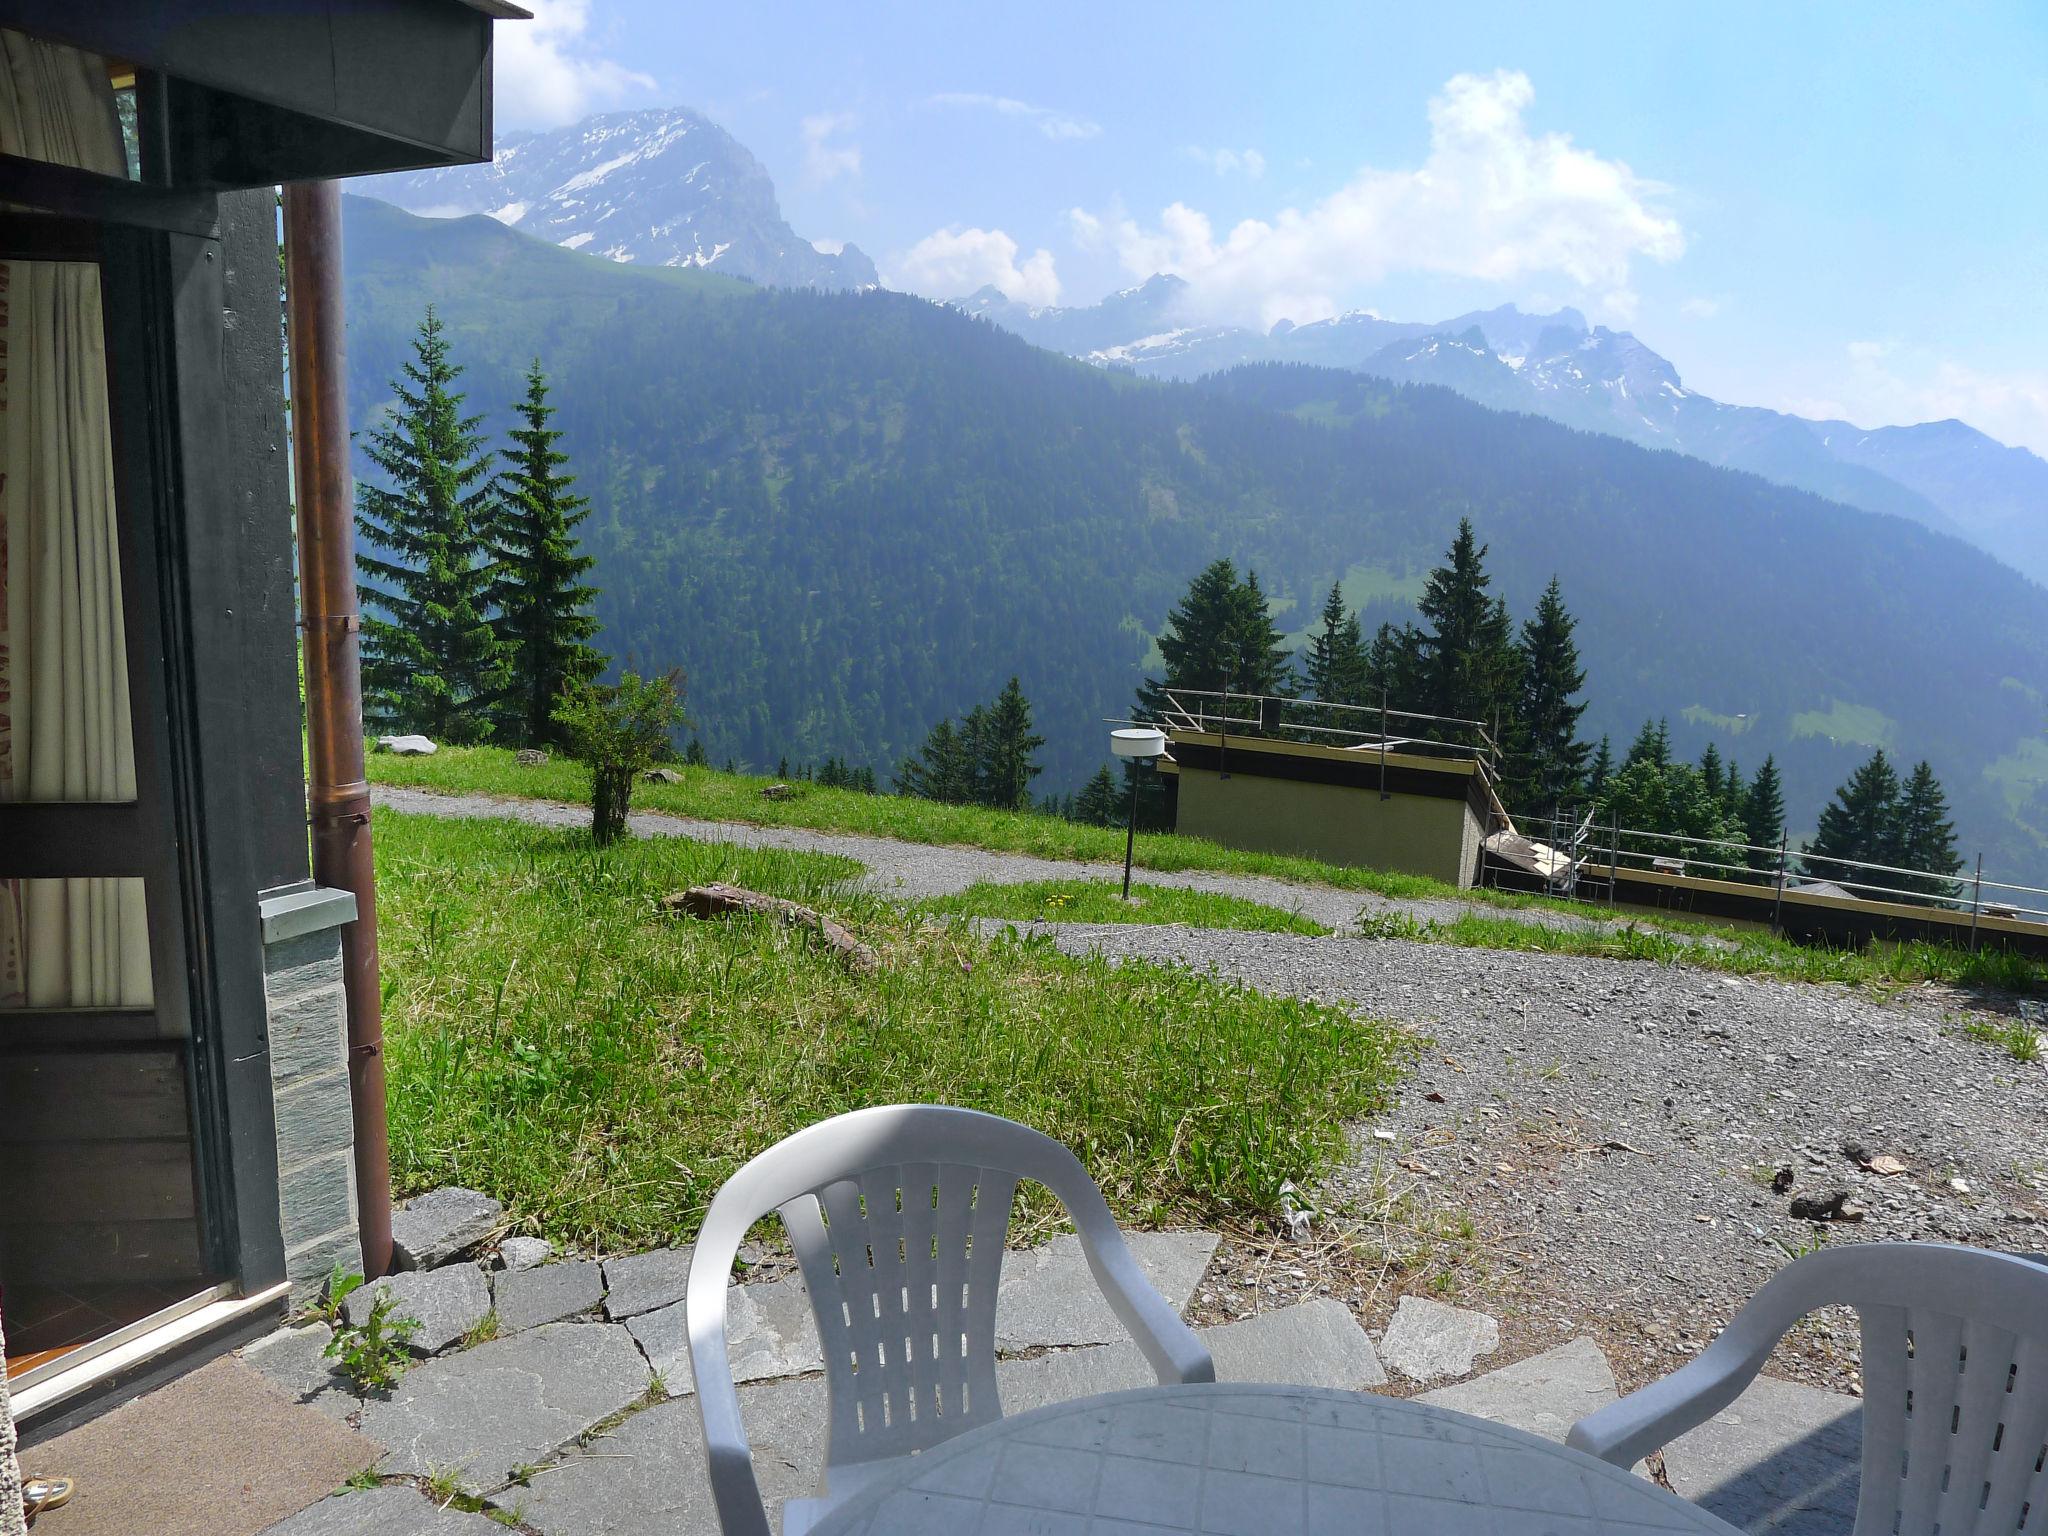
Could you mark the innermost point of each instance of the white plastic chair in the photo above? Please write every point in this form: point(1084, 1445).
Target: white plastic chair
point(1955, 1384)
point(898, 1216)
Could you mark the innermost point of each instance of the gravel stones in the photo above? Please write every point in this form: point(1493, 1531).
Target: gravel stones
point(526, 1298)
point(441, 1225)
point(446, 1303)
point(643, 1282)
point(1429, 1341)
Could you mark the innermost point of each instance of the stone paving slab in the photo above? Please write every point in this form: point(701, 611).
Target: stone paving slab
point(1430, 1341)
point(395, 1510)
point(642, 1282)
point(295, 1360)
point(445, 1302)
point(770, 1333)
point(435, 1227)
point(1313, 1343)
point(1782, 1458)
point(526, 1298)
point(648, 1474)
point(506, 1404)
point(1048, 1296)
point(1545, 1394)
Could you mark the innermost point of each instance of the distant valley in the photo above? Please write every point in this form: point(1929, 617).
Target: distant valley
point(848, 514)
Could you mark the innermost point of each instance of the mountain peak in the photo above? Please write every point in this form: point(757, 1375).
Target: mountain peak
point(662, 186)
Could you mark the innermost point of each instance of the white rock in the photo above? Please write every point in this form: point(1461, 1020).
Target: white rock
point(1429, 1341)
point(407, 746)
point(517, 1253)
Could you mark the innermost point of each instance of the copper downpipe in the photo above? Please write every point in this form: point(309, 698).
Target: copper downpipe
point(337, 790)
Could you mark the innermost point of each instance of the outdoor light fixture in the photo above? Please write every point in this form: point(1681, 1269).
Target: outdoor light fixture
point(1143, 745)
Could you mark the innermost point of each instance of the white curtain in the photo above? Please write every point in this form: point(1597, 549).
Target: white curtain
point(65, 731)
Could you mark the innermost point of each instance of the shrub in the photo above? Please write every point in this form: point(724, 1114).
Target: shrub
point(619, 730)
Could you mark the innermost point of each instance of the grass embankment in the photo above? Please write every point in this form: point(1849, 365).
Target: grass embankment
point(1877, 965)
point(554, 1040)
point(1101, 901)
point(713, 795)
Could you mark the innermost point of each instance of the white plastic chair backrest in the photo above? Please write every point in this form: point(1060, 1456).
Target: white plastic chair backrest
point(1955, 1382)
point(898, 1216)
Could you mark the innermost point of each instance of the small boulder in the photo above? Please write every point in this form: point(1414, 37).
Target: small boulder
point(407, 746)
point(662, 776)
point(517, 1253)
point(440, 1225)
point(776, 792)
point(445, 1302)
point(530, 757)
point(1833, 1206)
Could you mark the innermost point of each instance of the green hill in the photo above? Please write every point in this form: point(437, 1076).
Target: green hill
point(847, 515)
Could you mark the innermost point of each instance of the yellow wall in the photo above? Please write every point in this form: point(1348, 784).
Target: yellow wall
point(1418, 834)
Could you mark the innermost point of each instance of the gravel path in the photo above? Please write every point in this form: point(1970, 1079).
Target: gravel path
point(905, 871)
point(1612, 1126)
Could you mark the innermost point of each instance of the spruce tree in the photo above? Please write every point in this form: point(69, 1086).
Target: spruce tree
point(1860, 824)
point(1334, 666)
point(1101, 802)
point(1555, 771)
point(1763, 815)
point(1196, 642)
point(1926, 836)
point(694, 754)
point(1469, 666)
point(1601, 772)
point(1012, 747)
point(1393, 668)
point(1259, 663)
point(543, 606)
point(1652, 745)
point(941, 769)
point(431, 659)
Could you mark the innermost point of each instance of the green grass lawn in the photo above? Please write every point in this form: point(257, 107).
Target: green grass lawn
point(554, 1040)
point(1877, 965)
point(1101, 901)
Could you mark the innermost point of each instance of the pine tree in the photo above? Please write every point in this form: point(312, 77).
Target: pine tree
point(694, 754)
point(1860, 824)
point(1011, 750)
point(1733, 797)
point(1652, 745)
point(1101, 803)
point(1259, 661)
point(941, 770)
point(544, 614)
point(1763, 815)
point(1469, 666)
point(1926, 836)
point(1601, 772)
point(1196, 643)
point(1555, 771)
point(1393, 668)
point(1333, 667)
point(432, 661)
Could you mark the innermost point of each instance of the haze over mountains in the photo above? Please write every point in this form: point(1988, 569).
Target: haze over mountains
point(1946, 475)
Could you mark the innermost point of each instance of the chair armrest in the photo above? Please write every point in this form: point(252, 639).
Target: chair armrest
point(1176, 1355)
point(1624, 1432)
point(727, 1457)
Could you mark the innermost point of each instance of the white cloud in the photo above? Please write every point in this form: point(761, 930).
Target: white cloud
point(548, 71)
point(1491, 201)
point(1700, 307)
point(951, 262)
point(826, 159)
point(1886, 386)
point(1052, 123)
point(1230, 162)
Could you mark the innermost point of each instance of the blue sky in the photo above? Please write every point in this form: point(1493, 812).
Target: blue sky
point(1834, 210)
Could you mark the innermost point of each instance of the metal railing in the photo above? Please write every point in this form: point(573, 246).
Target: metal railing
point(1352, 727)
point(1594, 849)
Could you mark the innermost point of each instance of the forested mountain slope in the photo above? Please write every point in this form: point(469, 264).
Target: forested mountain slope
point(848, 515)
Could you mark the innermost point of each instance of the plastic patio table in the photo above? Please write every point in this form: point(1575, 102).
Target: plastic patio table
point(1256, 1461)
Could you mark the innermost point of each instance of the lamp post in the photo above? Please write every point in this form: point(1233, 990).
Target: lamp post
point(1143, 745)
